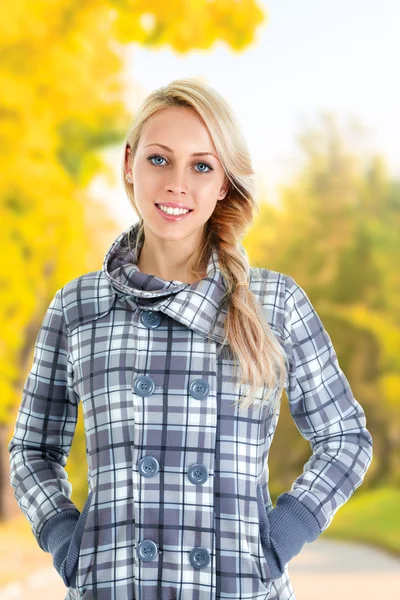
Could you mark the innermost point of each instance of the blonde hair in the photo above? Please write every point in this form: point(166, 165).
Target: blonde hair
point(260, 355)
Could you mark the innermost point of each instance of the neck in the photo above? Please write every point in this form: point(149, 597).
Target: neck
point(169, 260)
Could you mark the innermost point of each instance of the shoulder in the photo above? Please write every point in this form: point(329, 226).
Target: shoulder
point(85, 298)
point(268, 276)
point(270, 289)
point(268, 285)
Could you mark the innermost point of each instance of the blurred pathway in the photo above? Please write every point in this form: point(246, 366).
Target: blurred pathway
point(329, 570)
point(45, 584)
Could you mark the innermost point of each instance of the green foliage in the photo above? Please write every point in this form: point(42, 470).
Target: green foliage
point(371, 517)
point(337, 232)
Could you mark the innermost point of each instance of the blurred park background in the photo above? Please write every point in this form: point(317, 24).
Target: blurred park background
point(314, 87)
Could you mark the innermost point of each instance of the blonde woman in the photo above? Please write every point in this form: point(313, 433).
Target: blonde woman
point(179, 352)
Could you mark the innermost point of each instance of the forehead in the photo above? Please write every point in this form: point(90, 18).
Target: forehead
point(174, 125)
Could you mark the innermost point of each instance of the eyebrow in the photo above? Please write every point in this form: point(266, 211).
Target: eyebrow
point(170, 150)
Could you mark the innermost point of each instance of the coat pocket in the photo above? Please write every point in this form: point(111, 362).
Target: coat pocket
point(270, 560)
point(263, 535)
point(70, 566)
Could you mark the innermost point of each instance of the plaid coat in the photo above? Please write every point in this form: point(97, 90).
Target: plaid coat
point(178, 504)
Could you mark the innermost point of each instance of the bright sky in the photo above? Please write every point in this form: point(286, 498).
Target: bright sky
point(309, 56)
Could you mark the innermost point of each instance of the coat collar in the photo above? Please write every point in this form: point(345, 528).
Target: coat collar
point(199, 306)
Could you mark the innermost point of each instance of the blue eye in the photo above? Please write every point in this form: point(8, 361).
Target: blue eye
point(207, 165)
point(154, 156)
point(150, 158)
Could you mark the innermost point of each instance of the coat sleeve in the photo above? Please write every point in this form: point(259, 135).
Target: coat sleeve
point(43, 434)
point(330, 418)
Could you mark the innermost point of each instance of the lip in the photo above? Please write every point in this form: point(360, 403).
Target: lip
point(172, 217)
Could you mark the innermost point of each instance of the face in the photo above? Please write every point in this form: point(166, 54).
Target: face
point(174, 175)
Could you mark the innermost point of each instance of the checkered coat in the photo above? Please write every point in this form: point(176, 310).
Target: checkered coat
point(178, 504)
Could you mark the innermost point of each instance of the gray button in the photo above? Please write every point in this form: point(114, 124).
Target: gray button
point(198, 474)
point(144, 385)
point(148, 466)
point(151, 318)
point(199, 557)
point(199, 389)
point(147, 550)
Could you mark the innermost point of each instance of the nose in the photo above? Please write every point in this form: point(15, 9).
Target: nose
point(177, 182)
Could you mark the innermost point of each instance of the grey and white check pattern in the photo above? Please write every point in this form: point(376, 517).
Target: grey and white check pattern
point(91, 347)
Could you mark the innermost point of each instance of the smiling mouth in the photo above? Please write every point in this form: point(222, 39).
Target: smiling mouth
point(189, 209)
point(171, 217)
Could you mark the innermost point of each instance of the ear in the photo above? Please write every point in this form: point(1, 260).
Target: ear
point(224, 190)
point(128, 151)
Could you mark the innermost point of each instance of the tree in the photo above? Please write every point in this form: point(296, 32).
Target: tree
point(337, 233)
point(63, 82)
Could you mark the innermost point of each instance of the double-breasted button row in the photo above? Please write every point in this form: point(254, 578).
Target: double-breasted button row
point(147, 550)
point(144, 386)
point(199, 556)
point(149, 467)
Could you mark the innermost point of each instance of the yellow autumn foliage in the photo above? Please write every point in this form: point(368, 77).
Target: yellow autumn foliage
point(63, 82)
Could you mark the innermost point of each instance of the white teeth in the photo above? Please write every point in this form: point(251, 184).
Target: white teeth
point(172, 211)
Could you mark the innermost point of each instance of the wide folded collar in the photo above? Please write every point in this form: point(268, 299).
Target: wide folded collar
point(198, 305)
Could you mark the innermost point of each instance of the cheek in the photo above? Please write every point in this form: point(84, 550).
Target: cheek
point(145, 188)
point(143, 175)
point(206, 197)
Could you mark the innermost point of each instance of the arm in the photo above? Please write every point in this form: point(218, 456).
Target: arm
point(42, 438)
point(330, 418)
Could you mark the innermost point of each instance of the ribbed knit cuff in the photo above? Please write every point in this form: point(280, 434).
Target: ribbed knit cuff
point(57, 529)
point(56, 537)
point(62, 536)
point(291, 525)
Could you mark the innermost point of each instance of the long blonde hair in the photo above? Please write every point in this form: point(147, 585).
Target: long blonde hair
point(262, 359)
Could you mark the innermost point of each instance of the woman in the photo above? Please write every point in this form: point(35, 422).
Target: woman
point(179, 352)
